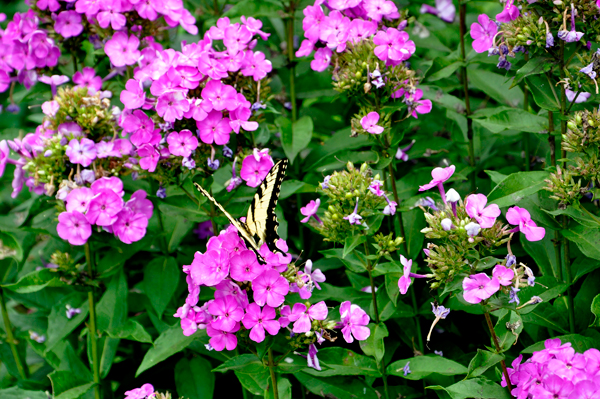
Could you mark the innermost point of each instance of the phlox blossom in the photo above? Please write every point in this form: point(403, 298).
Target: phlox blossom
point(211, 268)
point(503, 274)
point(73, 227)
point(82, 152)
point(104, 207)
point(479, 287)
point(369, 123)
point(322, 59)
point(68, 24)
point(255, 170)
point(258, 320)
point(227, 312)
point(214, 129)
point(182, 143)
point(393, 45)
point(303, 316)
point(485, 216)
point(310, 210)
point(522, 218)
point(483, 33)
point(220, 339)
point(270, 288)
point(353, 322)
point(245, 266)
point(122, 49)
point(130, 226)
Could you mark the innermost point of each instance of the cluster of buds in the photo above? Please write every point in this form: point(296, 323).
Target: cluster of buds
point(386, 244)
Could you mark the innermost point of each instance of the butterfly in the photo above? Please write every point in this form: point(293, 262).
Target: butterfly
point(260, 225)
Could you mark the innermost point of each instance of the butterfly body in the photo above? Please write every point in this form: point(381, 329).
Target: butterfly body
point(260, 225)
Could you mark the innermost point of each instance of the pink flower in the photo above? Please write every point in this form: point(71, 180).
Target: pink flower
point(51, 5)
point(73, 227)
point(79, 199)
point(254, 171)
point(479, 287)
point(220, 96)
point(88, 7)
point(483, 33)
point(227, 311)
point(220, 340)
point(303, 317)
point(83, 152)
point(270, 288)
point(104, 207)
point(133, 96)
point(111, 15)
point(244, 266)
point(214, 129)
point(444, 9)
point(354, 217)
point(503, 274)
point(417, 105)
point(148, 157)
point(439, 176)
point(405, 280)
point(50, 108)
point(87, 78)
point(122, 49)
point(310, 210)
point(257, 321)
point(256, 65)
point(145, 391)
point(211, 268)
point(322, 59)
point(354, 322)
point(522, 218)
point(239, 119)
point(369, 123)
point(236, 38)
point(171, 106)
point(393, 45)
point(485, 216)
point(509, 13)
point(68, 24)
point(305, 49)
point(129, 226)
point(311, 24)
point(108, 183)
point(377, 9)
point(182, 143)
point(139, 204)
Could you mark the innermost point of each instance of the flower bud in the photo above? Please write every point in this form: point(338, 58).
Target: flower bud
point(591, 122)
point(452, 196)
point(472, 229)
point(446, 224)
point(571, 125)
point(363, 168)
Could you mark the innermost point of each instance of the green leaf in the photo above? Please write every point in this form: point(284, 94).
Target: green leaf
point(516, 187)
point(506, 338)
point(67, 385)
point(167, 344)
point(353, 242)
point(546, 315)
point(535, 66)
point(542, 252)
point(482, 361)
point(256, 383)
point(480, 388)
point(543, 94)
point(495, 86)
point(337, 387)
point(160, 281)
point(108, 350)
point(111, 310)
point(18, 393)
point(374, 346)
point(596, 311)
point(59, 326)
point(10, 247)
point(284, 389)
point(441, 67)
point(340, 361)
point(579, 342)
point(131, 330)
point(423, 366)
point(504, 118)
point(256, 8)
point(247, 364)
point(353, 261)
point(586, 239)
point(36, 281)
point(295, 137)
point(194, 378)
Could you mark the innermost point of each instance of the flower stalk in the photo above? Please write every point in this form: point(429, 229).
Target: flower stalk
point(488, 319)
point(463, 73)
point(290, 53)
point(11, 338)
point(92, 327)
point(272, 366)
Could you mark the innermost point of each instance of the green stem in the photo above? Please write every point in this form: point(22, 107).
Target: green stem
point(213, 212)
point(465, 82)
point(11, 338)
point(291, 65)
point(89, 257)
point(569, 276)
point(163, 240)
point(272, 366)
point(525, 137)
point(497, 345)
point(190, 196)
point(556, 240)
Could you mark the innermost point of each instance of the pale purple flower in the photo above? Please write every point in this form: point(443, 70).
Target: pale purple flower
point(54, 81)
point(235, 180)
point(310, 210)
point(406, 369)
point(312, 360)
point(472, 229)
point(354, 217)
point(325, 184)
point(479, 287)
point(483, 33)
point(402, 153)
point(123, 49)
point(270, 288)
point(72, 311)
point(444, 9)
point(571, 36)
point(81, 152)
point(68, 24)
point(390, 208)
point(581, 97)
point(73, 227)
point(513, 296)
point(40, 339)
point(485, 216)
point(258, 320)
point(522, 218)
point(439, 176)
point(446, 224)
point(503, 274)
point(353, 322)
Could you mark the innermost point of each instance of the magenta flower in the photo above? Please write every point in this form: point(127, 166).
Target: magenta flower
point(214, 129)
point(479, 287)
point(182, 143)
point(83, 152)
point(303, 317)
point(220, 340)
point(405, 280)
point(258, 320)
point(354, 322)
point(369, 123)
point(270, 288)
point(393, 45)
point(139, 204)
point(311, 24)
point(418, 106)
point(104, 207)
point(444, 9)
point(239, 119)
point(244, 266)
point(130, 226)
point(255, 170)
point(503, 274)
point(123, 49)
point(439, 176)
point(306, 48)
point(310, 210)
point(68, 24)
point(227, 311)
point(51, 5)
point(256, 65)
point(220, 96)
point(111, 15)
point(108, 183)
point(322, 59)
point(485, 216)
point(509, 13)
point(522, 218)
point(73, 227)
point(377, 9)
point(79, 199)
point(171, 106)
point(354, 217)
point(133, 96)
point(483, 33)
point(87, 78)
point(211, 268)
point(146, 390)
point(148, 157)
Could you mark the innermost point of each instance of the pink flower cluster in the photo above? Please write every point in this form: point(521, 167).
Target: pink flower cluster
point(226, 265)
point(25, 48)
point(351, 21)
point(480, 287)
point(102, 204)
point(556, 372)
